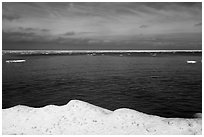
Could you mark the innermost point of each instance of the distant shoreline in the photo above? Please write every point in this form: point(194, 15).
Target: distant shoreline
point(101, 51)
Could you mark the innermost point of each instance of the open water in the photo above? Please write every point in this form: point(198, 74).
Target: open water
point(163, 84)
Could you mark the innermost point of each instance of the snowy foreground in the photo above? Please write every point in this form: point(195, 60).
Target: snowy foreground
point(78, 117)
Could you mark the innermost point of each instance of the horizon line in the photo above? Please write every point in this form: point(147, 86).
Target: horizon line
point(99, 51)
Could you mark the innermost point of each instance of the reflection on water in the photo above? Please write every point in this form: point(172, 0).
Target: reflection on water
point(162, 85)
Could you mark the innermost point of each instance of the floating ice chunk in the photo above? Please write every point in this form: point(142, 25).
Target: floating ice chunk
point(15, 61)
point(197, 115)
point(191, 61)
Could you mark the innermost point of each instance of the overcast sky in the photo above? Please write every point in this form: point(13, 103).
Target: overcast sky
point(102, 25)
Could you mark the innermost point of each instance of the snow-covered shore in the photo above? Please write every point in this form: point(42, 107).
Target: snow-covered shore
point(78, 117)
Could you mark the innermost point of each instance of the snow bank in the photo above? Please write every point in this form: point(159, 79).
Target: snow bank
point(78, 117)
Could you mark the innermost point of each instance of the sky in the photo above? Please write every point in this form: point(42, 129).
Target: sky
point(102, 25)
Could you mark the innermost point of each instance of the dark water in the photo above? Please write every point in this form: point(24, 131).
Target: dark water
point(162, 85)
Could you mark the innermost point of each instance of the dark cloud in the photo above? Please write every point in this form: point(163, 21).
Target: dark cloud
point(26, 29)
point(143, 26)
point(18, 36)
point(32, 4)
point(72, 33)
point(21, 29)
point(24, 36)
point(198, 24)
point(69, 33)
point(172, 5)
point(45, 30)
point(191, 4)
point(10, 17)
point(86, 32)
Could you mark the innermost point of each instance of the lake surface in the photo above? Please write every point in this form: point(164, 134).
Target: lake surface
point(163, 85)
